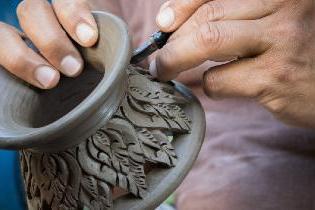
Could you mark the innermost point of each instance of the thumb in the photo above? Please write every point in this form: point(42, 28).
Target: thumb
point(174, 13)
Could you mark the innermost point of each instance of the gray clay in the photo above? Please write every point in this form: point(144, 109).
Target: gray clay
point(101, 131)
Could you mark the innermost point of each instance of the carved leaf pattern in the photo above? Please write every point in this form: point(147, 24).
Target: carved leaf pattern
point(95, 194)
point(52, 179)
point(158, 149)
point(115, 155)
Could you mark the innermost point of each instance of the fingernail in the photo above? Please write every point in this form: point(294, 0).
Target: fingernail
point(152, 69)
point(85, 33)
point(71, 66)
point(166, 17)
point(46, 76)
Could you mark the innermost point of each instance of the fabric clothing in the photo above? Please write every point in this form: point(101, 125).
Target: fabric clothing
point(11, 189)
point(7, 12)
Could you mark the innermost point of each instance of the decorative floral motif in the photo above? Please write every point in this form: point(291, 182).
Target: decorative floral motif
point(115, 156)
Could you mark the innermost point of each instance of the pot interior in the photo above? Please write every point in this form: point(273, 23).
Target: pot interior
point(28, 114)
point(30, 107)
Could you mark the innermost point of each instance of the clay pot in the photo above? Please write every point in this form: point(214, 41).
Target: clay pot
point(65, 116)
point(50, 122)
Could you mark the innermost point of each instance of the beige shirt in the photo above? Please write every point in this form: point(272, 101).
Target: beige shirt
point(249, 160)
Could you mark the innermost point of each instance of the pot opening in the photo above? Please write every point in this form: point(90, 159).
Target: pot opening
point(51, 105)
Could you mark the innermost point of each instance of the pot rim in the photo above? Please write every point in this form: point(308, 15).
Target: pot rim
point(39, 137)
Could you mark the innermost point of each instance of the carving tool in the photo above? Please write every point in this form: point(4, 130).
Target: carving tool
point(156, 41)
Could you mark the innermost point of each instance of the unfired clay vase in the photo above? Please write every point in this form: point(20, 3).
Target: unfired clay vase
point(113, 126)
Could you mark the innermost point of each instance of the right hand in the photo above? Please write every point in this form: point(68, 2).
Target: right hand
point(47, 27)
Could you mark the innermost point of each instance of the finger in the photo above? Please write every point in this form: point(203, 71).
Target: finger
point(23, 62)
point(76, 18)
point(244, 78)
point(246, 10)
point(40, 24)
point(175, 12)
point(225, 10)
point(218, 41)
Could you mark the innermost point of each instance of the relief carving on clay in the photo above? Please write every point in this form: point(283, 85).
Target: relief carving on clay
point(140, 132)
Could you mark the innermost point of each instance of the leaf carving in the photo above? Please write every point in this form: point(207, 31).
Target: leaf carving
point(48, 177)
point(95, 194)
point(157, 148)
point(138, 133)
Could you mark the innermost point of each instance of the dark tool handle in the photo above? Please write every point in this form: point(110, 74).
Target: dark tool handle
point(160, 38)
point(157, 41)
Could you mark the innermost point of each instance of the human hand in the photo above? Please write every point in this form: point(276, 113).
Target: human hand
point(47, 27)
point(271, 42)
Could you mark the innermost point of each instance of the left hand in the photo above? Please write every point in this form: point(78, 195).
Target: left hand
point(49, 27)
point(271, 43)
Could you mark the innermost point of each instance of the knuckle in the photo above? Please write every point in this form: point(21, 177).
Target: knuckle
point(264, 85)
point(262, 92)
point(48, 46)
point(16, 62)
point(294, 30)
point(210, 83)
point(164, 55)
point(6, 31)
point(167, 68)
point(286, 75)
point(290, 71)
point(290, 31)
point(277, 105)
point(21, 9)
point(257, 92)
point(213, 11)
point(209, 34)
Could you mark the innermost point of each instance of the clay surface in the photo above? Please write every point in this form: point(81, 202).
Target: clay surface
point(140, 132)
point(101, 130)
point(68, 114)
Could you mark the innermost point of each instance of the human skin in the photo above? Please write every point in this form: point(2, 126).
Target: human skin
point(49, 27)
point(271, 39)
point(271, 45)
